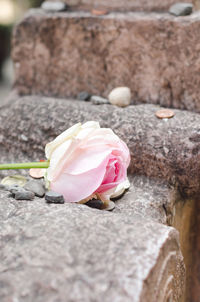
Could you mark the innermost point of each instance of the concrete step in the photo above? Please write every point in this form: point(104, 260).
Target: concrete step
point(125, 5)
point(156, 55)
point(165, 149)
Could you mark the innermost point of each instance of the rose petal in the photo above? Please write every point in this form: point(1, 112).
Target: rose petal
point(85, 160)
point(116, 191)
point(57, 156)
point(69, 133)
point(77, 187)
point(91, 124)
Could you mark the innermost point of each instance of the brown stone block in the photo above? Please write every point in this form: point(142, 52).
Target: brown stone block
point(125, 5)
point(167, 150)
point(156, 55)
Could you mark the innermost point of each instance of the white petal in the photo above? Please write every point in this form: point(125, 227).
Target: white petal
point(56, 157)
point(119, 190)
point(115, 192)
point(91, 124)
point(67, 134)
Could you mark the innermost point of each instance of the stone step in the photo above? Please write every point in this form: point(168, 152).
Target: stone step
point(165, 149)
point(96, 254)
point(90, 255)
point(156, 55)
point(125, 5)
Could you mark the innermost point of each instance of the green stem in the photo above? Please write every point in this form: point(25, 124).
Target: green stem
point(41, 164)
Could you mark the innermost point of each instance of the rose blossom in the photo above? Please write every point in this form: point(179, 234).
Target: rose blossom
point(86, 162)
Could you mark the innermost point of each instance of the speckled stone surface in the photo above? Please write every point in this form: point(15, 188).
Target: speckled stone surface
point(168, 150)
point(125, 5)
point(155, 54)
point(73, 253)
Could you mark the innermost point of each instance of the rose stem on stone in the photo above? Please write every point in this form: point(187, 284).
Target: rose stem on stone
point(43, 164)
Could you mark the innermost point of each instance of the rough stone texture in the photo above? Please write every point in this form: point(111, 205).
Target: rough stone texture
point(156, 55)
point(125, 5)
point(70, 251)
point(195, 265)
point(167, 150)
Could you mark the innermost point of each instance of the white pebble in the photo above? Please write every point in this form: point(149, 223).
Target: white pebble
point(120, 96)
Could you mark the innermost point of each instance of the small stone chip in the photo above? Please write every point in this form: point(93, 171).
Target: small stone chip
point(23, 195)
point(53, 197)
point(95, 203)
point(110, 206)
point(97, 12)
point(84, 96)
point(164, 113)
point(2, 187)
point(36, 187)
point(13, 189)
point(37, 173)
point(181, 9)
point(98, 100)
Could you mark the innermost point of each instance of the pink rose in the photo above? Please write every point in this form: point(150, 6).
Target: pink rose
point(86, 162)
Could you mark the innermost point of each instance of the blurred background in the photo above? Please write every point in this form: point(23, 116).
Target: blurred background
point(11, 11)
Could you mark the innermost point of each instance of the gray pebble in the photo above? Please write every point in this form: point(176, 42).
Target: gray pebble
point(14, 189)
point(181, 9)
point(84, 96)
point(57, 6)
point(36, 187)
point(53, 197)
point(2, 187)
point(24, 195)
point(110, 206)
point(95, 203)
point(98, 100)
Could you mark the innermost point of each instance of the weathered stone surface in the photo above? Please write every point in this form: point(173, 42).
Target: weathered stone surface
point(164, 149)
point(125, 5)
point(50, 251)
point(156, 55)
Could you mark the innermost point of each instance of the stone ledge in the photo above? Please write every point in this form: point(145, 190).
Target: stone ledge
point(156, 55)
point(85, 253)
point(125, 5)
point(168, 150)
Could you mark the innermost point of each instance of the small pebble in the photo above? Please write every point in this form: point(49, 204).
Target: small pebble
point(2, 187)
point(95, 203)
point(36, 187)
point(24, 195)
point(98, 100)
point(181, 9)
point(53, 197)
point(57, 6)
point(110, 206)
point(84, 96)
point(120, 96)
point(15, 189)
point(24, 138)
